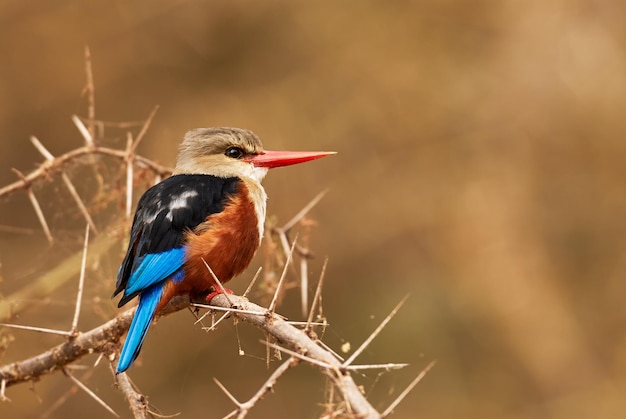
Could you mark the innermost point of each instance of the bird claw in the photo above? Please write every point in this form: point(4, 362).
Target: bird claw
point(216, 293)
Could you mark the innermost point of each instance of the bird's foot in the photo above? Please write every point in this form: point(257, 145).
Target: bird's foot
point(216, 293)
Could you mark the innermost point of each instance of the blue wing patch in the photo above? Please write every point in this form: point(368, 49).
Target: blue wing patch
point(154, 268)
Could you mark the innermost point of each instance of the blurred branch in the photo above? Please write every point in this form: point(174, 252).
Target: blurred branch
point(53, 165)
point(53, 279)
point(90, 90)
point(68, 183)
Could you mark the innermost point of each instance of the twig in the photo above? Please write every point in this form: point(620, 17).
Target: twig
point(84, 132)
point(244, 408)
point(228, 393)
point(3, 387)
point(91, 93)
point(390, 366)
point(35, 204)
point(79, 201)
point(98, 359)
point(329, 349)
point(144, 129)
point(272, 306)
point(318, 295)
point(60, 161)
point(407, 390)
point(89, 392)
point(215, 323)
point(40, 147)
point(375, 333)
point(284, 242)
point(284, 230)
point(251, 284)
point(40, 216)
point(81, 282)
point(297, 323)
point(37, 329)
point(115, 124)
point(230, 309)
point(313, 202)
point(217, 281)
point(304, 285)
point(68, 183)
point(298, 355)
point(61, 400)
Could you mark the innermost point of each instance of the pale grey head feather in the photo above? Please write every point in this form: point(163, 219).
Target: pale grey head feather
point(207, 141)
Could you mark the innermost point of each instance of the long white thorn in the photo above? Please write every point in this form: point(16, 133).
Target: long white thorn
point(37, 329)
point(407, 390)
point(217, 281)
point(90, 392)
point(83, 130)
point(374, 333)
point(318, 293)
point(304, 211)
point(81, 283)
point(272, 306)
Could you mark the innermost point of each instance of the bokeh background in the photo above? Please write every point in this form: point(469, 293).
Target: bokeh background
point(481, 170)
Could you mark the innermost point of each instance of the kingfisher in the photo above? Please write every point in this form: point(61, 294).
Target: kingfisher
point(211, 211)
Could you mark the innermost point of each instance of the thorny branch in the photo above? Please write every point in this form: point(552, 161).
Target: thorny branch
point(301, 345)
point(105, 339)
point(243, 408)
point(57, 163)
point(61, 355)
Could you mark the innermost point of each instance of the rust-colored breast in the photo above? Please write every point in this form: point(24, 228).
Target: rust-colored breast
point(227, 241)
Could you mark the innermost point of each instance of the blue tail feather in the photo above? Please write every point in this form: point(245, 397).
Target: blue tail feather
point(148, 301)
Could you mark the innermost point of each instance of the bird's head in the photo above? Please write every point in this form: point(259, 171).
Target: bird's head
point(233, 152)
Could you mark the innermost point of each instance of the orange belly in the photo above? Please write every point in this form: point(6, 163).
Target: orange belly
point(226, 241)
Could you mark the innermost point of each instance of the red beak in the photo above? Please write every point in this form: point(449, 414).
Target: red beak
point(272, 159)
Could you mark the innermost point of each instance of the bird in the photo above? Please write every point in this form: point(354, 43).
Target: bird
point(209, 213)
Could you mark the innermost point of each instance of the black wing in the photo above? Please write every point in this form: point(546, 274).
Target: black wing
point(164, 213)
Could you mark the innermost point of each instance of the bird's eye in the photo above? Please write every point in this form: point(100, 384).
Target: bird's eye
point(234, 152)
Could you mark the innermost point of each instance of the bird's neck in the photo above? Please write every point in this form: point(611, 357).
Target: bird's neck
point(259, 198)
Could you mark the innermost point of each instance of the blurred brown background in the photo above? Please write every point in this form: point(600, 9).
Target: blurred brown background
point(480, 169)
